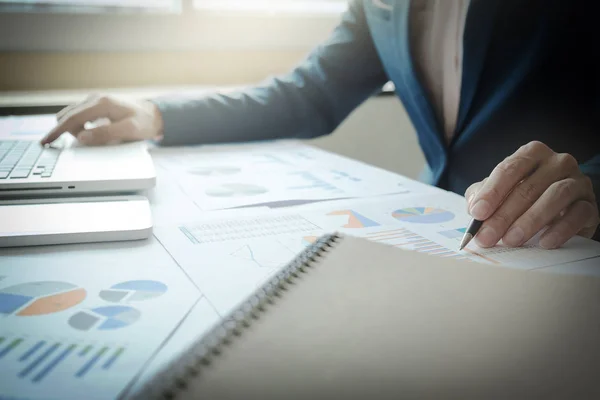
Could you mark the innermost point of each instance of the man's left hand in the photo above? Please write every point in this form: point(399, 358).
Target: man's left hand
point(534, 188)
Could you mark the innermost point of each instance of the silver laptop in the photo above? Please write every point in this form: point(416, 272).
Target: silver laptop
point(28, 169)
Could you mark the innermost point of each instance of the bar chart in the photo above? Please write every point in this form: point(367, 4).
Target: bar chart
point(454, 233)
point(409, 240)
point(37, 360)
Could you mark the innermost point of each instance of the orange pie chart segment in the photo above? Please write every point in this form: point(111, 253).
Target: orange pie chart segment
point(39, 298)
point(54, 303)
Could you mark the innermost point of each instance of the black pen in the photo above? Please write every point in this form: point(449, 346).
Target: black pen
point(470, 233)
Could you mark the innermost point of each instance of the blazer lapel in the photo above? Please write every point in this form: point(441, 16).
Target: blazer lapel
point(478, 31)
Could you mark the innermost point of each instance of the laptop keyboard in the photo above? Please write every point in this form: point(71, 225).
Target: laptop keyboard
point(20, 159)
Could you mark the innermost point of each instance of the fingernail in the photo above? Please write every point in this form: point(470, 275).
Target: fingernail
point(514, 237)
point(486, 237)
point(84, 137)
point(480, 210)
point(550, 241)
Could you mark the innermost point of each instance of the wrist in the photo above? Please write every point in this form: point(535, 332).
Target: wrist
point(156, 121)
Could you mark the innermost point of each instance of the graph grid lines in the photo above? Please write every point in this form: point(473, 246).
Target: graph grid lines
point(222, 231)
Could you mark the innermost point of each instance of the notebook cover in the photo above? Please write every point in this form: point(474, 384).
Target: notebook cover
point(372, 321)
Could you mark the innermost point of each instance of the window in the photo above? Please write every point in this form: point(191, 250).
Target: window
point(287, 6)
point(165, 25)
point(97, 6)
point(68, 6)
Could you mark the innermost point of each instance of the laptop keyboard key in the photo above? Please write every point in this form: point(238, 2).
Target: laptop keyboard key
point(19, 174)
point(3, 175)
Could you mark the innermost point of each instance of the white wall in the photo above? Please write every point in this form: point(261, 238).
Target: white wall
point(188, 32)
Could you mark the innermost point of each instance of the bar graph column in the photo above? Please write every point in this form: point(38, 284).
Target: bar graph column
point(90, 364)
point(409, 240)
point(36, 360)
point(10, 347)
point(32, 350)
point(54, 363)
point(40, 359)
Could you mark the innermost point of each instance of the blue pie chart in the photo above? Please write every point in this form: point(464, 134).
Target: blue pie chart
point(133, 291)
point(104, 318)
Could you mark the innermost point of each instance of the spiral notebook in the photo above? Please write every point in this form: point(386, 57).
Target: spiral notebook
point(354, 319)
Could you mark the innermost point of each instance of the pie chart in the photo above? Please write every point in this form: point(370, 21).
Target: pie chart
point(214, 171)
point(308, 240)
point(132, 291)
point(104, 318)
point(39, 298)
point(355, 220)
point(423, 215)
point(236, 190)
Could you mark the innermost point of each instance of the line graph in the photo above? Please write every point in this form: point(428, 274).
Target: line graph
point(268, 255)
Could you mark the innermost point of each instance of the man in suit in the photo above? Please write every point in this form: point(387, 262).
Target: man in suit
point(503, 95)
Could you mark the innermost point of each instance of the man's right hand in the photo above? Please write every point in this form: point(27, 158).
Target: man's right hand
point(126, 121)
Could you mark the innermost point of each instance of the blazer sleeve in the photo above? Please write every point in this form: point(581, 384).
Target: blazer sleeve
point(310, 101)
point(592, 169)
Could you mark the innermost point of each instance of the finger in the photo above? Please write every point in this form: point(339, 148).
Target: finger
point(75, 120)
point(472, 191)
point(506, 176)
point(60, 115)
point(546, 210)
point(518, 201)
point(575, 219)
point(108, 134)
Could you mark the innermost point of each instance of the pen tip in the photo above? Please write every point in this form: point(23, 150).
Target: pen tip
point(465, 241)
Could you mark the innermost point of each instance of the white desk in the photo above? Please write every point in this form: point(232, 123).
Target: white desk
point(178, 310)
point(88, 278)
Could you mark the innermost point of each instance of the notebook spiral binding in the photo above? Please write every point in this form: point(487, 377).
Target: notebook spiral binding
point(173, 378)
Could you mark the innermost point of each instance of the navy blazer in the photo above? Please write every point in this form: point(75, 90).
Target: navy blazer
point(529, 73)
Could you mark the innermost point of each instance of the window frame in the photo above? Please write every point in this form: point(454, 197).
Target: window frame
point(180, 6)
point(189, 30)
point(23, 7)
